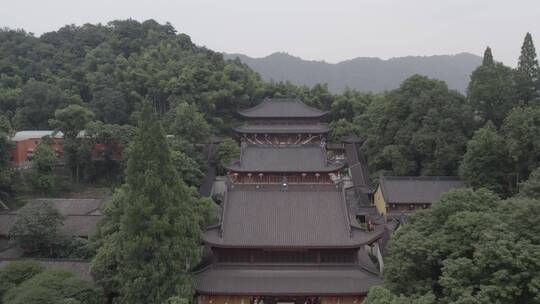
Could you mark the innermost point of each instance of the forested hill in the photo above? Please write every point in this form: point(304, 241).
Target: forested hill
point(363, 73)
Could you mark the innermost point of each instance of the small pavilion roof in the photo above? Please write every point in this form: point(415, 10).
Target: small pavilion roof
point(282, 108)
point(417, 189)
point(283, 158)
point(283, 128)
point(285, 280)
point(305, 216)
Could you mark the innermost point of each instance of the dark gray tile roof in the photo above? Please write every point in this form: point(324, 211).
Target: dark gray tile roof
point(66, 206)
point(81, 215)
point(6, 221)
point(283, 158)
point(293, 218)
point(75, 225)
point(283, 128)
point(79, 267)
point(417, 189)
point(282, 108)
point(291, 280)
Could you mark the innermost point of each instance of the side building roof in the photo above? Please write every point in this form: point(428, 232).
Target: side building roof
point(283, 158)
point(417, 189)
point(81, 215)
point(282, 108)
point(24, 135)
point(296, 217)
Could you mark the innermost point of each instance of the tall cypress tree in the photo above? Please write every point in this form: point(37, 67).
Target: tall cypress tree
point(488, 57)
point(528, 71)
point(491, 91)
point(150, 234)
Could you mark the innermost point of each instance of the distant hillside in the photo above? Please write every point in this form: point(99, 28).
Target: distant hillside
point(362, 73)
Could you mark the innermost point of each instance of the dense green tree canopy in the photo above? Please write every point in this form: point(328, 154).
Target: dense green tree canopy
point(487, 163)
point(521, 130)
point(38, 102)
point(470, 247)
point(54, 286)
point(420, 128)
point(531, 187)
point(491, 92)
point(16, 273)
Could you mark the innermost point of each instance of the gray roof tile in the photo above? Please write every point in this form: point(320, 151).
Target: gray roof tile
point(292, 218)
point(291, 280)
point(417, 189)
point(282, 108)
point(283, 128)
point(283, 158)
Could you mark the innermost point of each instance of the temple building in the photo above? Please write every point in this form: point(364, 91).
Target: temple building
point(286, 232)
point(396, 195)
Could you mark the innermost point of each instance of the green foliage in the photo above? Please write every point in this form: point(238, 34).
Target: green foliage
point(419, 129)
point(54, 286)
point(491, 92)
point(487, 163)
point(177, 300)
point(521, 131)
point(7, 187)
point(38, 102)
point(150, 235)
point(226, 152)
point(71, 121)
point(488, 57)
point(470, 247)
point(189, 124)
point(17, 272)
point(36, 229)
point(380, 295)
point(341, 128)
point(110, 106)
point(187, 168)
point(207, 211)
point(5, 125)
point(528, 72)
point(45, 159)
point(531, 187)
point(349, 104)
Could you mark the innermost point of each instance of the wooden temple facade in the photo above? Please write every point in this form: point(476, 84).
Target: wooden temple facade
point(286, 234)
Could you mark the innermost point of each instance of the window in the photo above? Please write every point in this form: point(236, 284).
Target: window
point(263, 256)
point(338, 256)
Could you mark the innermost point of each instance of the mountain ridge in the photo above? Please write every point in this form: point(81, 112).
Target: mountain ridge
point(363, 73)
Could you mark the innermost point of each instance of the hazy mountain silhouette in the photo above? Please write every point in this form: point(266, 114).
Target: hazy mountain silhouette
point(364, 73)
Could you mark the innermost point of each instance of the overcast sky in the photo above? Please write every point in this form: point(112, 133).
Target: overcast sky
point(312, 29)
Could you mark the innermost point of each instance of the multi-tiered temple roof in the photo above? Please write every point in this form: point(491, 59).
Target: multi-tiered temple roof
point(282, 116)
point(286, 233)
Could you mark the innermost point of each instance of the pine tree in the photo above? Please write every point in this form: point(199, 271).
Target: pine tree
point(150, 235)
point(527, 73)
point(488, 57)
